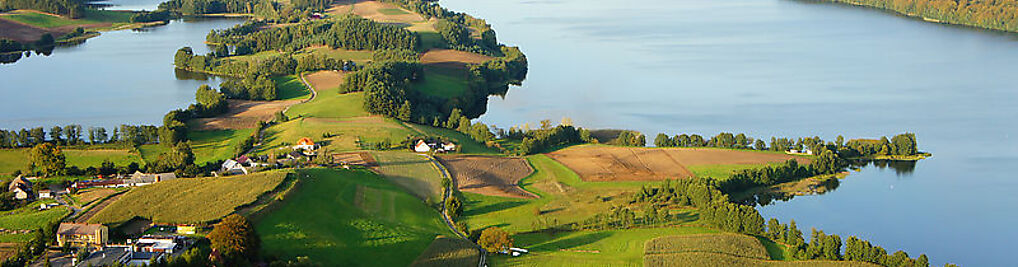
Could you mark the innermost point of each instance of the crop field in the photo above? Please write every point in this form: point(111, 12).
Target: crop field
point(189, 200)
point(610, 163)
point(455, 58)
point(488, 175)
point(209, 146)
point(727, 243)
point(564, 198)
point(325, 80)
point(374, 10)
point(414, 172)
point(358, 56)
point(243, 114)
point(448, 251)
point(344, 132)
point(17, 159)
point(349, 218)
point(28, 218)
point(721, 260)
point(86, 196)
point(588, 248)
point(442, 81)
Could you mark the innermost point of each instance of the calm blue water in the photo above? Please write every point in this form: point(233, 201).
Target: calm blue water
point(793, 68)
point(118, 77)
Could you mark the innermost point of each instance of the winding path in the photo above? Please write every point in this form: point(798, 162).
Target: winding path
point(445, 215)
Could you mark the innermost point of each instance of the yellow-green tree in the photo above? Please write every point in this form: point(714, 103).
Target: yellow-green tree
point(494, 239)
point(47, 158)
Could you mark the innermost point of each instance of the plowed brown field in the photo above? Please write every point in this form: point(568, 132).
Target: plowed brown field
point(608, 163)
point(489, 175)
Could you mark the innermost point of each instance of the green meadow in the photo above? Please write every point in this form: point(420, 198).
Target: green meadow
point(349, 218)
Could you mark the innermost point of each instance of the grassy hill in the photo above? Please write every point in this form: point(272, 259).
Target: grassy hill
point(28, 218)
point(413, 172)
point(190, 200)
point(349, 218)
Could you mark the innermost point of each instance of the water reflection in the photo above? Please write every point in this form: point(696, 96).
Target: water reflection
point(810, 187)
point(814, 187)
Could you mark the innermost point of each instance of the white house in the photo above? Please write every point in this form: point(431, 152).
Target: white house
point(45, 193)
point(422, 147)
point(305, 144)
point(231, 167)
point(449, 147)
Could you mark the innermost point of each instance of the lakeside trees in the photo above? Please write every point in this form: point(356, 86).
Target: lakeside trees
point(998, 14)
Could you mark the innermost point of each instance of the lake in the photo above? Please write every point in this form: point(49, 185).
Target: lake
point(793, 68)
point(118, 77)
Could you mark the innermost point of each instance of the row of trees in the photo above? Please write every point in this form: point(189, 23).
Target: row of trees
point(824, 246)
point(997, 15)
point(75, 135)
point(902, 144)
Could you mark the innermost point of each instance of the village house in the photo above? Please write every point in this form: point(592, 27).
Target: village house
point(141, 179)
point(240, 165)
point(82, 235)
point(305, 144)
point(21, 187)
point(161, 244)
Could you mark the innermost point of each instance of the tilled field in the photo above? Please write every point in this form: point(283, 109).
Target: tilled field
point(489, 175)
point(609, 163)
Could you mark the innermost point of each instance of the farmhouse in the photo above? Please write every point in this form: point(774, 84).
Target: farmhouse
point(108, 183)
point(140, 179)
point(82, 235)
point(231, 167)
point(21, 187)
point(305, 144)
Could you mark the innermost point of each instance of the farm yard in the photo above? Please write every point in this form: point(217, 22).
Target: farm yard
point(176, 201)
point(347, 218)
point(489, 175)
point(609, 163)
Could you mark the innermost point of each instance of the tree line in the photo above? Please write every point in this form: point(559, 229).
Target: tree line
point(824, 246)
point(71, 8)
point(997, 15)
point(75, 134)
point(902, 144)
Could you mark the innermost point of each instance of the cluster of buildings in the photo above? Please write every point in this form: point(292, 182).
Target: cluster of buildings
point(134, 180)
point(138, 252)
point(304, 148)
point(440, 147)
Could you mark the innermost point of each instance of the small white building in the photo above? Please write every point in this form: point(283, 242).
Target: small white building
point(231, 167)
point(449, 147)
point(45, 193)
point(422, 147)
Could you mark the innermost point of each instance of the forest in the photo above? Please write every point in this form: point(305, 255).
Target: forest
point(71, 8)
point(991, 14)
